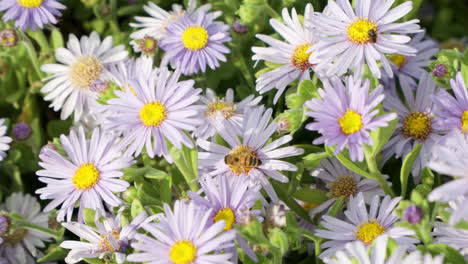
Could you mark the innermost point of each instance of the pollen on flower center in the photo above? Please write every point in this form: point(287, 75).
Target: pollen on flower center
point(105, 245)
point(350, 122)
point(358, 32)
point(195, 38)
point(183, 252)
point(242, 159)
point(398, 59)
point(228, 216)
point(85, 71)
point(464, 121)
point(153, 114)
point(227, 109)
point(30, 3)
point(344, 187)
point(417, 125)
point(369, 231)
point(86, 176)
point(300, 58)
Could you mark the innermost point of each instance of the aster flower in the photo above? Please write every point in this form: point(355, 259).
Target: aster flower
point(31, 14)
point(452, 236)
point(83, 63)
point(176, 238)
point(20, 245)
point(363, 225)
point(147, 45)
point(160, 108)
point(413, 67)
point(341, 182)
point(357, 251)
point(222, 110)
point(363, 35)
point(450, 157)
point(292, 54)
point(250, 157)
point(195, 41)
point(107, 239)
point(4, 140)
point(453, 110)
point(88, 174)
point(155, 26)
point(345, 114)
point(231, 200)
point(416, 123)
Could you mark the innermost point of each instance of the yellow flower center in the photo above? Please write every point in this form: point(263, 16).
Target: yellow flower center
point(105, 245)
point(417, 125)
point(464, 120)
point(85, 71)
point(86, 176)
point(350, 122)
point(195, 38)
point(227, 109)
point(148, 45)
point(369, 231)
point(343, 187)
point(398, 59)
point(183, 252)
point(30, 3)
point(153, 114)
point(358, 32)
point(242, 159)
point(300, 58)
point(228, 216)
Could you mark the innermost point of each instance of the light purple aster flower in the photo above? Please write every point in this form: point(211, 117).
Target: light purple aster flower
point(364, 225)
point(159, 108)
point(291, 55)
point(194, 41)
point(4, 140)
point(346, 113)
point(108, 238)
point(451, 236)
point(453, 110)
point(416, 122)
point(83, 62)
point(222, 110)
point(413, 67)
point(177, 238)
point(89, 174)
point(354, 37)
point(250, 157)
point(231, 200)
point(31, 14)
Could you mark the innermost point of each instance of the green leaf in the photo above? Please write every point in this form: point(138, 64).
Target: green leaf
point(279, 239)
point(351, 165)
point(281, 190)
point(337, 207)
point(136, 208)
point(94, 261)
point(54, 253)
point(381, 136)
point(295, 101)
point(56, 39)
point(308, 90)
point(452, 256)
point(89, 217)
point(406, 168)
point(311, 195)
point(156, 174)
point(313, 160)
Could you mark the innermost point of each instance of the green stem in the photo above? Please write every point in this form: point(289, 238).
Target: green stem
point(272, 12)
point(374, 170)
point(38, 228)
point(32, 55)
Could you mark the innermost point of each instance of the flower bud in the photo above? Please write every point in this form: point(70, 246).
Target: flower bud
point(22, 131)
point(8, 38)
point(239, 28)
point(413, 214)
point(440, 70)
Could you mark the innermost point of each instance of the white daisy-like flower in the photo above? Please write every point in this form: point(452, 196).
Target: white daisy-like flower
point(250, 157)
point(20, 245)
point(159, 107)
point(363, 225)
point(218, 109)
point(291, 55)
point(341, 182)
point(89, 174)
point(417, 123)
point(357, 252)
point(452, 236)
point(413, 67)
point(353, 37)
point(4, 140)
point(107, 239)
point(83, 63)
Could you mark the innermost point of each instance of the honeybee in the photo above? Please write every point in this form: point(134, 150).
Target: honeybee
point(242, 162)
point(372, 35)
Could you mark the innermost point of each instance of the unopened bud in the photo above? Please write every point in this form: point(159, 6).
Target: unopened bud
point(413, 214)
point(8, 38)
